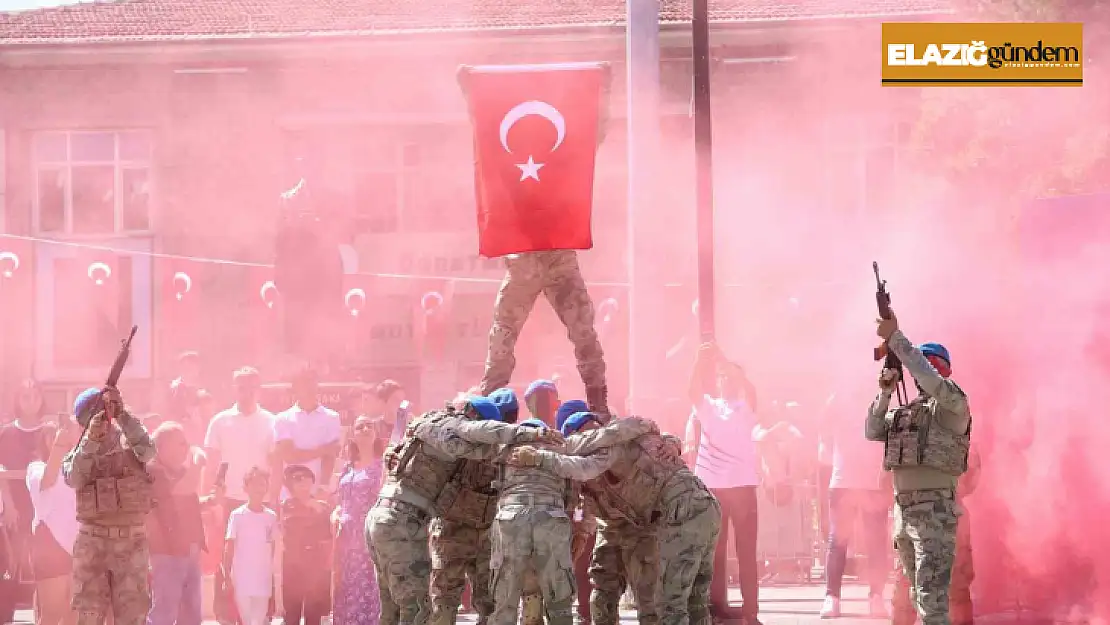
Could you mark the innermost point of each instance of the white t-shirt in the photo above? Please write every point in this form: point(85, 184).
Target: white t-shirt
point(726, 452)
point(252, 564)
point(55, 506)
point(244, 441)
point(308, 430)
point(856, 462)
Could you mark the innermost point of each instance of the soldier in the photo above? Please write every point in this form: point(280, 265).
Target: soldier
point(418, 470)
point(556, 274)
point(963, 568)
point(649, 481)
point(111, 557)
point(927, 444)
point(460, 544)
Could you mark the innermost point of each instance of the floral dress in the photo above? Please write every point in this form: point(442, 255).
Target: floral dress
point(356, 594)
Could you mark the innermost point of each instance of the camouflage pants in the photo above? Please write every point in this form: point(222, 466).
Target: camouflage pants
point(556, 274)
point(959, 591)
point(111, 575)
point(687, 541)
point(925, 524)
point(624, 555)
point(538, 539)
point(397, 535)
point(459, 552)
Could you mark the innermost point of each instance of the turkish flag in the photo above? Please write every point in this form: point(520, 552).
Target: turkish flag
point(92, 303)
point(535, 139)
point(361, 295)
point(432, 318)
point(179, 305)
point(264, 303)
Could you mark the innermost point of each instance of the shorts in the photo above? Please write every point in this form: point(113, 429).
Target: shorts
point(48, 558)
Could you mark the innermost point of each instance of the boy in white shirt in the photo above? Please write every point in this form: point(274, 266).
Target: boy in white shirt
point(251, 550)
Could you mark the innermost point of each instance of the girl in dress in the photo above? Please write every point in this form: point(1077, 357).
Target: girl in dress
point(356, 587)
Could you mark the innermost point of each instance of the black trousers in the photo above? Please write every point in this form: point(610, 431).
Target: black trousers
point(306, 590)
point(738, 505)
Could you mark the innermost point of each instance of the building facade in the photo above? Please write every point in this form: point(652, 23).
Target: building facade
point(155, 139)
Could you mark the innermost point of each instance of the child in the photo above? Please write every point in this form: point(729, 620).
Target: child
point(251, 549)
point(306, 550)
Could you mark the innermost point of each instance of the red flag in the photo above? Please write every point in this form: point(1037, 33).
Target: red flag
point(265, 305)
point(91, 304)
point(360, 300)
point(179, 306)
point(432, 318)
point(535, 139)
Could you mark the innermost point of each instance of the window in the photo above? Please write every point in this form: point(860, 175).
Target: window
point(92, 182)
point(437, 193)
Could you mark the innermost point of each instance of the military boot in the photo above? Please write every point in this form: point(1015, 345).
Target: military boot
point(597, 398)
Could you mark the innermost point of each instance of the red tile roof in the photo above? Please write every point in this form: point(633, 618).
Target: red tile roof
point(177, 20)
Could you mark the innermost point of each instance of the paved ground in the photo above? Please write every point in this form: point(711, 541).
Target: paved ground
point(779, 605)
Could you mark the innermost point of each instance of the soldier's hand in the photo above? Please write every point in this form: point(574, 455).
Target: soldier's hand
point(551, 436)
point(888, 379)
point(113, 402)
point(525, 457)
point(886, 327)
point(98, 427)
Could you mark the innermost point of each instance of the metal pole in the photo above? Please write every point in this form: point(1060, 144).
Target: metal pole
point(703, 163)
point(645, 353)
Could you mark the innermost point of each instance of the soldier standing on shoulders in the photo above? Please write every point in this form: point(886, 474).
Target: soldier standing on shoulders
point(927, 443)
point(418, 469)
point(460, 543)
point(111, 558)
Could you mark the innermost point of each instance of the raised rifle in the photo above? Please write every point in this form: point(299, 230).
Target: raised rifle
point(882, 299)
point(113, 377)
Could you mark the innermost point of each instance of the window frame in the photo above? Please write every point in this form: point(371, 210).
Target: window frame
point(119, 166)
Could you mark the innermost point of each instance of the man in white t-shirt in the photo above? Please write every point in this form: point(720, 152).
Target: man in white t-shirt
point(307, 434)
point(720, 443)
point(242, 436)
point(857, 489)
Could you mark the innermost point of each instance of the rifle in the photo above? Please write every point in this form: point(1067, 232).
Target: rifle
point(113, 376)
point(882, 299)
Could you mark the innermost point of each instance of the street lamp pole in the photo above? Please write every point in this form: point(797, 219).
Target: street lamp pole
point(703, 164)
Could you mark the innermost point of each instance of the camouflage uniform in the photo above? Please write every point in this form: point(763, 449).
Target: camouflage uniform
point(111, 557)
point(556, 274)
point(963, 568)
point(658, 519)
point(583, 526)
point(926, 451)
point(419, 468)
point(460, 543)
point(532, 532)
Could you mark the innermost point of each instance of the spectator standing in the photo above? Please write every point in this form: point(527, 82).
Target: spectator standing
point(242, 436)
point(395, 408)
point(857, 490)
point(356, 585)
point(183, 403)
point(54, 530)
point(306, 434)
point(22, 441)
point(176, 529)
point(251, 551)
point(306, 550)
point(720, 444)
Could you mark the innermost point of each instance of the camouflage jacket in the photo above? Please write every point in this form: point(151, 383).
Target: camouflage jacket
point(126, 433)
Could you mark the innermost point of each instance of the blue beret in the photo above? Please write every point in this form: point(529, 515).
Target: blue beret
point(936, 349)
point(540, 385)
point(505, 400)
point(485, 408)
point(568, 408)
point(575, 422)
point(534, 423)
point(85, 400)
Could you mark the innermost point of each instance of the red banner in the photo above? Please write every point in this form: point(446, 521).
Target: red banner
point(179, 304)
point(361, 299)
point(535, 140)
point(431, 324)
point(91, 305)
point(265, 310)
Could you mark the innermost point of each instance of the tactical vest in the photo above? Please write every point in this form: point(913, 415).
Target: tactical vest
point(631, 491)
point(415, 476)
point(118, 486)
point(470, 498)
point(916, 439)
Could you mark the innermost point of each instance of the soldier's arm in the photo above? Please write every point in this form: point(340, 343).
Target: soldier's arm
point(579, 468)
point(947, 394)
point(138, 439)
point(876, 427)
point(444, 437)
point(77, 464)
point(492, 432)
point(618, 432)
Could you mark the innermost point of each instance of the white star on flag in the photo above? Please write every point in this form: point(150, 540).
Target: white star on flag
point(531, 169)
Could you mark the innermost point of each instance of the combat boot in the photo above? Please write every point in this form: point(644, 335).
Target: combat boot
point(597, 398)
